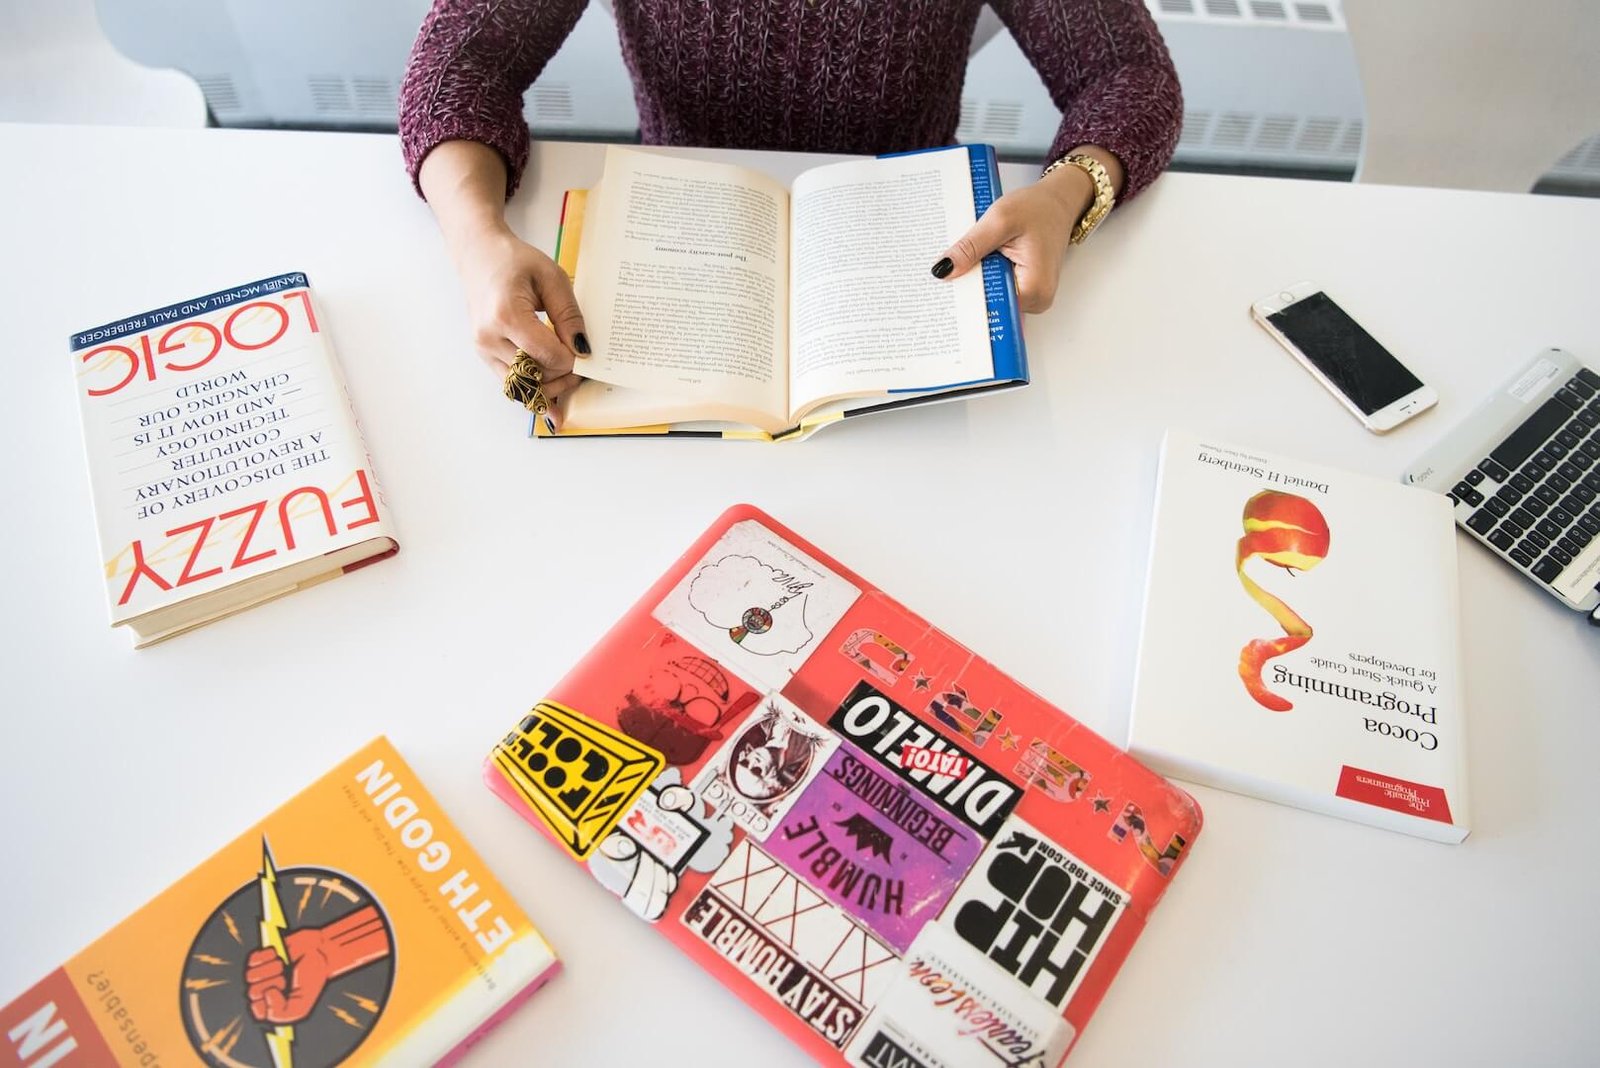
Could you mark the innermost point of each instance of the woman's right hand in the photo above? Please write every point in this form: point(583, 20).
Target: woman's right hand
point(508, 283)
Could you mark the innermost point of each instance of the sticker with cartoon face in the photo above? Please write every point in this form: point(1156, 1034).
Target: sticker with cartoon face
point(760, 772)
point(668, 831)
point(683, 704)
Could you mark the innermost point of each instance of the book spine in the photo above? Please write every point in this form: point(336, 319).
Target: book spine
point(999, 280)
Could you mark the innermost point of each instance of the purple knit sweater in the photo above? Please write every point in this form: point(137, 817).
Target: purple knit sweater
point(860, 76)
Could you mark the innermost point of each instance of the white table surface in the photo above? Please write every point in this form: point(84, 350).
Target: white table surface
point(1019, 523)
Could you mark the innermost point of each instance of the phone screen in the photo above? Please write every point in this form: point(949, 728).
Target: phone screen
point(1351, 358)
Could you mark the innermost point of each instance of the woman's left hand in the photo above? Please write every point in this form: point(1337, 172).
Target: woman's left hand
point(1031, 227)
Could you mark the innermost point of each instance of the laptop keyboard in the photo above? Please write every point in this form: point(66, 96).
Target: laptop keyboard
point(1536, 496)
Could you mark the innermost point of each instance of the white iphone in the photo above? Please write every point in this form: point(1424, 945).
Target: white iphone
point(1377, 388)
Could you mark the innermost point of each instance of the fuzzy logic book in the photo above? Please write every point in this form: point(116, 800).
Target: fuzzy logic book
point(1300, 640)
point(894, 852)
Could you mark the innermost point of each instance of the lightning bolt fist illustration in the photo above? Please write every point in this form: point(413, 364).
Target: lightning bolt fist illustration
point(280, 1040)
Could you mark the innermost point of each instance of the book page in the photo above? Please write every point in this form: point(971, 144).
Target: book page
point(683, 279)
point(866, 314)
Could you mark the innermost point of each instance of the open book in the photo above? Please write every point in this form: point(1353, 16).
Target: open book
point(718, 302)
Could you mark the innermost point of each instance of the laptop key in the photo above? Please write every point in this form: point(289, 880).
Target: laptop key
point(1468, 494)
point(1547, 569)
point(1535, 505)
point(1549, 528)
point(1497, 506)
point(1589, 523)
point(1591, 448)
point(1515, 450)
point(1510, 527)
point(1569, 398)
point(1474, 477)
point(1522, 517)
point(1534, 544)
point(1495, 471)
point(1482, 521)
point(1568, 472)
point(1586, 375)
point(1580, 536)
point(1580, 387)
point(1533, 471)
point(1545, 461)
point(1559, 554)
point(1520, 482)
point(1580, 459)
point(1557, 483)
point(1520, 557)
point(1564, 517)
point(1572, 504)
point(1571, 547)
point(1501, 540)
point(1590, 418)
point(1508, 494)
point(1584, 494)
point(1555, 450)
point(1592, 480)
point(1547, 494)
point(1568, 438)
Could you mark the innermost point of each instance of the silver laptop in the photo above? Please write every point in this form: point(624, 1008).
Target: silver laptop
point(1524, 473)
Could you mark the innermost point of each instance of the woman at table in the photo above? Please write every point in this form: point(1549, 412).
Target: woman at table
point(856, 76)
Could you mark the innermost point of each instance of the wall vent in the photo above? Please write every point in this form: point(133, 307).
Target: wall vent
point(222, 96)
point(375, 97)
point(1233, 130)
point(1276, 133)
point(1196, 129)
point(1242, 136)
point(329, 94)
point(552, 104)
point(1314, 13)
point(1319, 135)
point(1309, 15)
point(996, 121)
point(1583, 162)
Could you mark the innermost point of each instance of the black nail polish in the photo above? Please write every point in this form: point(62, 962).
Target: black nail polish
point(580, 343)
point(550, 424)
point(943, 268)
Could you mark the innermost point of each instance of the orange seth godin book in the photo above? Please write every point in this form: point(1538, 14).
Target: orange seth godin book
point(896, 853)
point(352, 926)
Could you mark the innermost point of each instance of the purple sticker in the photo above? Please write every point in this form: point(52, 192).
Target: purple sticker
point(872, 844)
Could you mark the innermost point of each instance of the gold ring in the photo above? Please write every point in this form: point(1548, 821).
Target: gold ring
point(522, 384)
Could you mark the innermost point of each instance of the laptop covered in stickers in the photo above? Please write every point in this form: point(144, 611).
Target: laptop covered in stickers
point(877, 839)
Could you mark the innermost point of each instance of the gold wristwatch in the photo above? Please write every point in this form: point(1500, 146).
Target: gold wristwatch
point(1104, 197)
